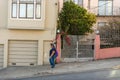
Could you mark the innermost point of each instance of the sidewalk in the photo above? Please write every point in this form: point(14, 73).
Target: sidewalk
point(20, 72)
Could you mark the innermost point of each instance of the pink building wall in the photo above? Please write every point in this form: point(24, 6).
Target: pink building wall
point(105, 53)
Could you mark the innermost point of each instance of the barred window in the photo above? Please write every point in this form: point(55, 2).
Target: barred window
point(27, 9)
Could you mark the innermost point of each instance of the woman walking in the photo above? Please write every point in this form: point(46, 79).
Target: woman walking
point(52, 55)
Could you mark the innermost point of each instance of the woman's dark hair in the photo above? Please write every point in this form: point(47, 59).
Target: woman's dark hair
point(52, 44)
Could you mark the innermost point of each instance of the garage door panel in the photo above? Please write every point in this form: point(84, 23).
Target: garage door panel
point(23, 56)
point(1, 46)
point(23, 53)
point(22, 60)
point(23, 49)
point(1, 50)
point(22, 64)
point(1, 54)
point(1, 60)
point(1, 57)
point(22, 41)
point(1, 64)
point(21, 45)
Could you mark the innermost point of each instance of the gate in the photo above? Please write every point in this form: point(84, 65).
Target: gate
point(81, 48)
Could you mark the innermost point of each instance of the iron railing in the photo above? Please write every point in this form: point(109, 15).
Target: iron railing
point(81, 46)
point(109, 38)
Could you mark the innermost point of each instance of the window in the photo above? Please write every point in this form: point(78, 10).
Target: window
point(66, 0)
point(79, 2)
point(105, 7)
point(38, 9)
point(22, 11)
point(27, 9)
point(14, 8)
point(101, 27)
point(102, 24)
point(30, 10)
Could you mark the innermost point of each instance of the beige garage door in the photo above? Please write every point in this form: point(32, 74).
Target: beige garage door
point(23, 53)
point(1, 55)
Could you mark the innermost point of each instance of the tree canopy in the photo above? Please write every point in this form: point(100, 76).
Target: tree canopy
point(75, 20)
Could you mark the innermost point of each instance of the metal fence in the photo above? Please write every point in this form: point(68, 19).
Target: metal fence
point(110, 37)
point(81, 47)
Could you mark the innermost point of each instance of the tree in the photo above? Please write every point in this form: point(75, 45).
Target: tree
point(75, 20)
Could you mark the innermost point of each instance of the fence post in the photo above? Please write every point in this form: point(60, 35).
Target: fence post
point(77, 51)
point(97, 47)
point(59, 47)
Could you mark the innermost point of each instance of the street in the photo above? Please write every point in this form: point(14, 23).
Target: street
point(103, 74)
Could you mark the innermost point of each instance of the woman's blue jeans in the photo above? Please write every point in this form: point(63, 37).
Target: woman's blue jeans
point(52, 61)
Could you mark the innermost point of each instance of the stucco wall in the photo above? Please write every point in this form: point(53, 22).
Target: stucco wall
point(105, 53)
point(3, 13)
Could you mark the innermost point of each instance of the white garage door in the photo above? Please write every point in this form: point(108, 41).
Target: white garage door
point(23, 53)
point(1, 56)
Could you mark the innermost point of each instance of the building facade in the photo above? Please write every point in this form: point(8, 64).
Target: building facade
point(105, 11)
point(27, 27)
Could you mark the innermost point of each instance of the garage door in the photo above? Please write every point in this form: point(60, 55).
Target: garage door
point(23, 53)
point(1, 56)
